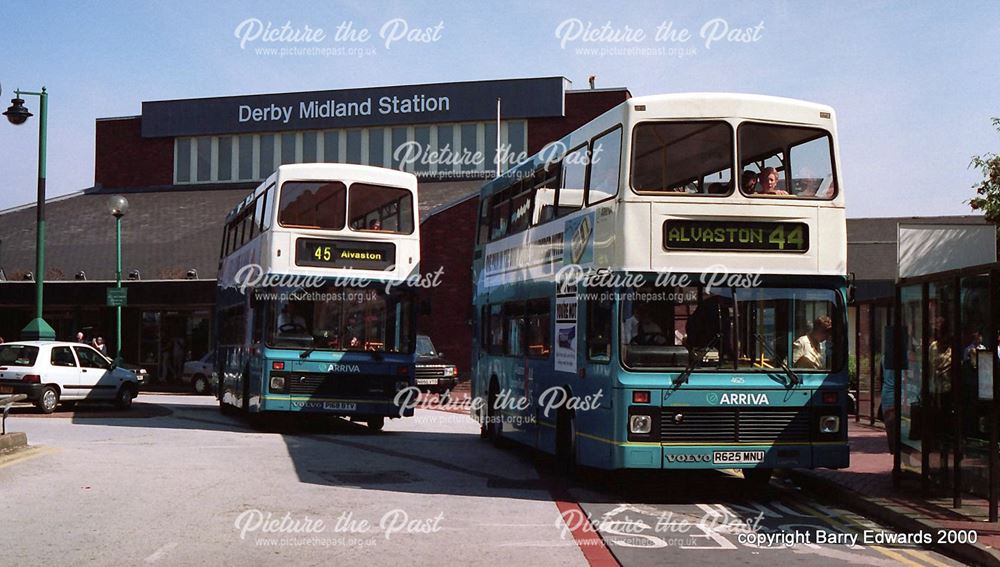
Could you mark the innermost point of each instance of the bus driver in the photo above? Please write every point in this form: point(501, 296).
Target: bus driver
point(809, 350)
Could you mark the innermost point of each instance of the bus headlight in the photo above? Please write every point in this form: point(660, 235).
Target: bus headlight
point(450, 371)
point(829, 424)
point(277, 383)
point(641, 424)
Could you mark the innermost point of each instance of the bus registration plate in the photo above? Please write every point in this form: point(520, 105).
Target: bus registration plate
point(737, 457)
point(340, 406)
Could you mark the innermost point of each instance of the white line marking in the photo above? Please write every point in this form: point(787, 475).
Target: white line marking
point(159, 553)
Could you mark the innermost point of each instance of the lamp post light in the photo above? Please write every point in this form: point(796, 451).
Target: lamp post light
point(17, 114)
point(118, 205)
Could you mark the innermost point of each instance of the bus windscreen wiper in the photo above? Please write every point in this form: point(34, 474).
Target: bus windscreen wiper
point(307, 352)
point(792, 377)
point(694, 361)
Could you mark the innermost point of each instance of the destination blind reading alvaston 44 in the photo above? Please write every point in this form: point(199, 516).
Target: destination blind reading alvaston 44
point(344, 254)
point(737, 236)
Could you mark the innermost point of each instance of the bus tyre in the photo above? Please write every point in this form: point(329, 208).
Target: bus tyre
point(494, 426)
point(566, 442)
point(376, 423)
point(758, 478)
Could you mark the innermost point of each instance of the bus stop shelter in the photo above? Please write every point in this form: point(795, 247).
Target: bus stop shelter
point(945, 336)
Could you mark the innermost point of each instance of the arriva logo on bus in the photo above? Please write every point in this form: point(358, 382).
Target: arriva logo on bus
point(729, 399)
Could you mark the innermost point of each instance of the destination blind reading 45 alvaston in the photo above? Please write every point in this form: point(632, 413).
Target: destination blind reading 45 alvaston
point(736, 236)
point(344, 254)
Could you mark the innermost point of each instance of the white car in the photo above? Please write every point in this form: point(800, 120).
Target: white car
point(52, 372)
point(200, 373)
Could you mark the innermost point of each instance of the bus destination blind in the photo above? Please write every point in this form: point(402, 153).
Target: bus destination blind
point(735, 236)
point(352, 254)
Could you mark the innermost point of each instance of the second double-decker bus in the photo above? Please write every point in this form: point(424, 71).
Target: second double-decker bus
point(666, 287)
point(314, 313)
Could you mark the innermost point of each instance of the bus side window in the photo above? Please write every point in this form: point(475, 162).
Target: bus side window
point(265, 210)
point(538, 328)
point(496, 329)
point(599, 330)
point(514, 328)
point(574, 177)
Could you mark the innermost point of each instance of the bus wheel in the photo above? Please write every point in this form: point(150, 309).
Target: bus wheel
point(758, 478)
point(376, 423)
point(494, 426)
point(566, 442)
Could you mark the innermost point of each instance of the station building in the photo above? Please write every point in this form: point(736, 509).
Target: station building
point(184, 164)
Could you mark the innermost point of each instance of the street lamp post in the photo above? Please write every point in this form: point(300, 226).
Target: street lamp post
point(17, 114)
point(118, 205)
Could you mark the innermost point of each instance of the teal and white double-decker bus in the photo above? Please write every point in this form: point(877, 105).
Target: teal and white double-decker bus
point(666, 288)
point(313, 312)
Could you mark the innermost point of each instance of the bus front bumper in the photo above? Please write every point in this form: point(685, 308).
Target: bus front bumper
point(833, 455)
point(333, 406)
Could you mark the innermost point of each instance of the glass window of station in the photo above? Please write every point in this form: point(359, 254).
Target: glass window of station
point(433, 150)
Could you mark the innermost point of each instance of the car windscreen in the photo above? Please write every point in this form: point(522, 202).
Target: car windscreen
point(424, 346)
point(18, 355)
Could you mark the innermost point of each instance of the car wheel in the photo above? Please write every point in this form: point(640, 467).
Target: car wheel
point(376, 423)
point(48, 401)
point(123, 400)
point(200, 384)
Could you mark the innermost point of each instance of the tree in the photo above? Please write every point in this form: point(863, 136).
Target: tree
point(988, 190)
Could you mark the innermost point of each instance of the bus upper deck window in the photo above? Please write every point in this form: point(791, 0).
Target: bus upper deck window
point(312, 204)
point(786, 161)
point(683, 157)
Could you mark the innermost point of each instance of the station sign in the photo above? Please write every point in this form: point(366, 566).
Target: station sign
point(377, 106)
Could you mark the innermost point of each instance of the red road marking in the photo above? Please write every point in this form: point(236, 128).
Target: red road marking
point(586, 535)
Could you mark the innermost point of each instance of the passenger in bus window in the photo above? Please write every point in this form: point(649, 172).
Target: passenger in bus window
point(749, 181)
point(809, 350)
point(769, 182)
point(375, 225)
point(291, 322)
point(640, 329)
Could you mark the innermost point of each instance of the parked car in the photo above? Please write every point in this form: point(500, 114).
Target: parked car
point(433, 373)
point(52, 372)
point(200, 374)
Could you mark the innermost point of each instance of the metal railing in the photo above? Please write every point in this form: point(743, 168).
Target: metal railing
point(7, 402)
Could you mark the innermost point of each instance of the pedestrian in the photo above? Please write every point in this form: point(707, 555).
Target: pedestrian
point(79, 337)
point(1, 340)
point(99, 345)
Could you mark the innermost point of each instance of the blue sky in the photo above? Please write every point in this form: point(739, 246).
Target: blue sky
point(914, 83)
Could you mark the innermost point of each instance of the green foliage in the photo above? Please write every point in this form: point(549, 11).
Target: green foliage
point(987, 190)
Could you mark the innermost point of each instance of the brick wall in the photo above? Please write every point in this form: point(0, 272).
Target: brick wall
point(581, 107)
point(123, 158)
point(447, 240)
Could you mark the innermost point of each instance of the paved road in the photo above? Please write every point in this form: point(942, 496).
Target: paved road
point(188, 486)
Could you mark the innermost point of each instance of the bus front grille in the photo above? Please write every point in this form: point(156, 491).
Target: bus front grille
point(340, 386)
point(734, 425)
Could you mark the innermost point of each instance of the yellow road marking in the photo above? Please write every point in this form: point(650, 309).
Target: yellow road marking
point(837, 524)
point(21, 456)
point(924, 555)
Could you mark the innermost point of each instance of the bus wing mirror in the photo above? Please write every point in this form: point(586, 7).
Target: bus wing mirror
point(851, 289)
